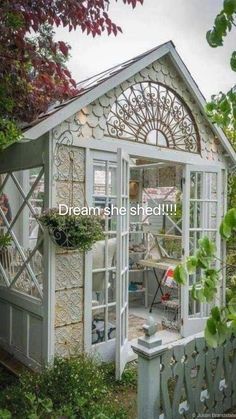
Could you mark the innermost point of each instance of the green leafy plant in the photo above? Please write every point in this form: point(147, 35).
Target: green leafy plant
point(71, 388)
point(9, 133)
point(231, 288)
point(224, 22)
point(222, 322)
point(73, 231)
point(222, 108)
point(5, 414)
point(39, 408)
point(129, 377)
point(228, 225)
point(5, 241)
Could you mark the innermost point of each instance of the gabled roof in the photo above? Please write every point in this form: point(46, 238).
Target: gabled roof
point(96, 86)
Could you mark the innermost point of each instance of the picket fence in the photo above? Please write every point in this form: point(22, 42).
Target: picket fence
point(185, 379)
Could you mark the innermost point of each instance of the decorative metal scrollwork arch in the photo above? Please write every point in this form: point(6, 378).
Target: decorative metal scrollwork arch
point(155, 114)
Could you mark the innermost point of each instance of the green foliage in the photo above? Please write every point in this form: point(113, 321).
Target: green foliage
point(228, 224)
point(9, 133)
point(222, 322)
point(180, 274)
point(73, 231)
point(223, 24)
point(39, 408)
point(206, 287)
point(5, 241)
point(217, 328)
point(5, 414)
point(232, 190)
point(222, 108)
point(222, 111)
point(72, 388)
point(6, 378)
point(129, 377)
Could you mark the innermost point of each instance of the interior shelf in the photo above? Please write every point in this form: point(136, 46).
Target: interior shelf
point(137, 291)
point(168, 236)
point(139, 251)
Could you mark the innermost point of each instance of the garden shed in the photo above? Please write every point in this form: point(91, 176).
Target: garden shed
point(136, 135)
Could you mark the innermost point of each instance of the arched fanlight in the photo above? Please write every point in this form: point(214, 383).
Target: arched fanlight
point(152, 113)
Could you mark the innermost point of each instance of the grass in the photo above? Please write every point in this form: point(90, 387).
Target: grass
point(124, 391)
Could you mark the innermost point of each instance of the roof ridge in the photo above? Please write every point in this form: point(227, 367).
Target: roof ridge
point(139, 56)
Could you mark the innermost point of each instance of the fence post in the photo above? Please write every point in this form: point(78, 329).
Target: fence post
point(148, 348)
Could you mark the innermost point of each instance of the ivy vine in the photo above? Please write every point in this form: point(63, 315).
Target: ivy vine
point(222, 321)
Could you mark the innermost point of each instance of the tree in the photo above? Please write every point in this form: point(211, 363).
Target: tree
point(222, 108)
point(33, 72)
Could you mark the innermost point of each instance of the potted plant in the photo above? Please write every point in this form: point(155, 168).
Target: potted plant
point(72, 231)
point(5, 241)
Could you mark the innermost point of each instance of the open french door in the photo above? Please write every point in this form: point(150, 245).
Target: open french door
point(202, 197)
point(122, 262)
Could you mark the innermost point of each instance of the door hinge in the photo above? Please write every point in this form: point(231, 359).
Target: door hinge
point(183, 252)
point(182, 322)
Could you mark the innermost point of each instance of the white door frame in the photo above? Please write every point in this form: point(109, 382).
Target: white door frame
point(122, 278)
point(191, 325)
point(111, 145)
point(108, 148)
point(104, 350)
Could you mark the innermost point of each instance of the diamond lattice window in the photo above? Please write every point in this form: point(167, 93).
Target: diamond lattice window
point(21, 262)
point(152, 113)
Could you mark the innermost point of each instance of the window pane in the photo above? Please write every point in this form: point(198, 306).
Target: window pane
point(104, 252)
point(98, 325)
point(112, 286)
point(111, 330)
point(112, 177)
point(99, 288)
point(19, 220)
point(99, 179)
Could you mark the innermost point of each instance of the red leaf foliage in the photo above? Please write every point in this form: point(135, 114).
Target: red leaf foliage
point(33, 73)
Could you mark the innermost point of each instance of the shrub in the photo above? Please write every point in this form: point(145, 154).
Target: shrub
point(71, 388)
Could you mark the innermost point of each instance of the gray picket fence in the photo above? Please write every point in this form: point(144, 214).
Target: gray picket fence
point(186, 378)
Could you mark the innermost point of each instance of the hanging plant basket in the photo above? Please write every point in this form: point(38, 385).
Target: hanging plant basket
point(60, 237)
point(72, 231)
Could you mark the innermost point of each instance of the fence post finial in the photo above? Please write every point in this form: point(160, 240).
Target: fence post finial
point(148, 350)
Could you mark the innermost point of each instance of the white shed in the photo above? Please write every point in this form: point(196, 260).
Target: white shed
point(140, 137)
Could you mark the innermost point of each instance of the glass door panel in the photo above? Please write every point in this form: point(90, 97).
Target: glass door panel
point(103, 258)
point(122, 263)
point(201, 217)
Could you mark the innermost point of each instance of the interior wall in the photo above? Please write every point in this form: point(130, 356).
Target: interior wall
point(162, 176)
